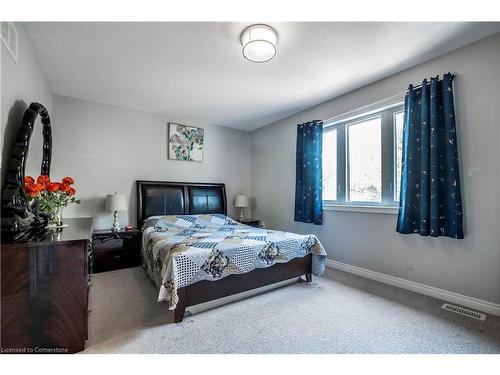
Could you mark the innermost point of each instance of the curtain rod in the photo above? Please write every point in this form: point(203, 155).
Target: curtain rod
point(453, 75)
point(439, 79)
point(392, 98)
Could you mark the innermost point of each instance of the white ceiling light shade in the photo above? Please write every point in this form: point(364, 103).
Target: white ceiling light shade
point(259, 43)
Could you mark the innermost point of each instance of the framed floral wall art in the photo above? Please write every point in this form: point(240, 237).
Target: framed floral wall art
point(185, 142)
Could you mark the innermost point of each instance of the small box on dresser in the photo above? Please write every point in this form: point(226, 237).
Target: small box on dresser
point(116, 250)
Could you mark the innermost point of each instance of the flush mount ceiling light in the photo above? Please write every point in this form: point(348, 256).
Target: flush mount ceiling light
point(258, 43)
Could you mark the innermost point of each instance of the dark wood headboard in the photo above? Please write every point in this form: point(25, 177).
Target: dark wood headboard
point(179, 198)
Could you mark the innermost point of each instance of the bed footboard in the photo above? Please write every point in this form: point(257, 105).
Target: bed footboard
point(204, 291)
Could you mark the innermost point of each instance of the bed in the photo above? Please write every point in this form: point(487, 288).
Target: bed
point(195, 253)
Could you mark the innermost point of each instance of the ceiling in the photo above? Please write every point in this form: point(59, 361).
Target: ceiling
point(195, 73)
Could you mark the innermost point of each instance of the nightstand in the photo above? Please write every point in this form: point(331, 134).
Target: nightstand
point(251, 222)
point(116, 250)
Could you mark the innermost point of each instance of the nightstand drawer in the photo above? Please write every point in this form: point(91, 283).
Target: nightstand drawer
point(114, 260)
point(108, 245)
point(252, 223)
point(116, 250)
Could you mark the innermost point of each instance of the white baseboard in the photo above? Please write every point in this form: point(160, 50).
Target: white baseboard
point(473, 303)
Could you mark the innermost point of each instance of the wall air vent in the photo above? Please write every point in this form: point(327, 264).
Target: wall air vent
point(462, 311)
point(10, 38)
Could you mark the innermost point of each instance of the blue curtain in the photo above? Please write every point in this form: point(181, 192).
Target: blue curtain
point(308, 197)
point(430, 202)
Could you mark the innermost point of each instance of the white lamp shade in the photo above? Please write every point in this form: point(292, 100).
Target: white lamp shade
point(116, 202)
point(259, 43)
point(241, 201)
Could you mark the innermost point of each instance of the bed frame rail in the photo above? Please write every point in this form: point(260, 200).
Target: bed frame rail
point(206, 290)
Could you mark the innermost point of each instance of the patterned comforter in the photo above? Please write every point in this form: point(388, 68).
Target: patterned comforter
point(182, 250)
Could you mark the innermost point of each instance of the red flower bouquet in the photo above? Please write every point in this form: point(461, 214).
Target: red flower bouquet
point(51, 196)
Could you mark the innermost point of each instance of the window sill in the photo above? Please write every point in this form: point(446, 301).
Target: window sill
point(391, 210)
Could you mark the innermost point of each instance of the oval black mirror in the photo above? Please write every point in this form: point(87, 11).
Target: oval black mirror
point(19, 217)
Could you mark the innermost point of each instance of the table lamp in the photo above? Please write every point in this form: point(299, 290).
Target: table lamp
point(114, 203)
point(241, 202)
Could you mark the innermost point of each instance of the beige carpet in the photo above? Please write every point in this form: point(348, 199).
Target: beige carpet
point(338, 313)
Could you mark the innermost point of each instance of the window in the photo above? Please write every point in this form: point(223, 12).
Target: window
point(398, 129)
point(329, 163)
point(362, 159)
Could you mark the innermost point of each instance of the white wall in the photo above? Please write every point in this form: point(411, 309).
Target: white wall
point(107, 148)
point(22, 83)
point(470, 266)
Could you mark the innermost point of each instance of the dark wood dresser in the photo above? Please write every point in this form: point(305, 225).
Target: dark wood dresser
point(45, 291)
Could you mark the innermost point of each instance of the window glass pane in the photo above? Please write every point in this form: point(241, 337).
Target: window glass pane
point(398, 128)
point(365, 161)
point(330, 165)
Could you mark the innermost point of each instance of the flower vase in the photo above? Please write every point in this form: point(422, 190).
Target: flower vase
point(50, 197)
point(55, 220)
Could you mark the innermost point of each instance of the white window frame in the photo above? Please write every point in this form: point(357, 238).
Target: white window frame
point(386, 112)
